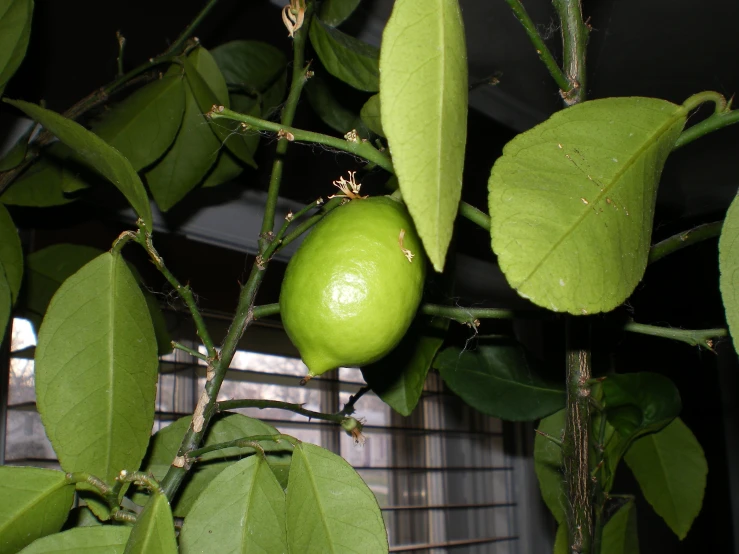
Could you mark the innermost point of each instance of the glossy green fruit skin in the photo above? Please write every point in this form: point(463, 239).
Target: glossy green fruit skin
point(350, 293)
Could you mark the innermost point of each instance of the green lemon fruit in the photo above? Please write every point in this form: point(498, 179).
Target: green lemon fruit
point(353, 287)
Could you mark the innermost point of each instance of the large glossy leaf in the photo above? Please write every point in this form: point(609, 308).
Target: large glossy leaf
point(226, 169)
point(102, 539)
point(196, 147)
point(15, 155)
point(639, 403)
point(335, 12)
point(424, 113)
point(36, 503)
point(398, 378)
point(15, 30)
point(154, 111)
point(96, 370)
point(47, 181)
point(166, 442)
point(154, 530)
point(728, 263)
point(619, 533)
point(48, 268)
point(329, 507)
point(241, 511)
point(110, 163)
point(256, 73)
point(499, 380)
point(345, 57)
point(560, 540)
point(11, 253)
point(372, 116)
point(671, 470)
point(328, 108)
point(548, 464)
point(206, 97)
point(572, 201)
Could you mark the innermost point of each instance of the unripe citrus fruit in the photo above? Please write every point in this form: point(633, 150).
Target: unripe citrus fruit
point(353, 287)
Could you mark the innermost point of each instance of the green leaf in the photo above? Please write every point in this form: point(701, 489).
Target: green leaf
point(95, 151)
point(48, 268)
point(36, 503)
point(241, 511)
point(6, 303)
point(44, 184)
point(619, 533)
point(203, 91)
point(154, 111)
point(154, 529)
point(256, 70)
point(728, 263)
point(398, 378)
point(424, 113)
point(560, 540)
point(16, 155)
point(639, 403)
point(671, 470)
point(329, 507)
point(227, 168)
point(346, 58)
point(499, 380)
point(195, 149)
point(548, 465)
point(15, 30)
point(11, 253)
point(572, 200)
point(81, 516)
point(335, 12)
point(108, 539)
point(96, 370)
point(371, 115)
point(165, 443)
point(331, 112)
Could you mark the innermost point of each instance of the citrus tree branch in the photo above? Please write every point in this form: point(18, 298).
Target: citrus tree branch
point(218, 366)
point(478, 217)
point(574, 42)
point(359, 148)
point(263, 404)
point(686, 238)
point(143, 237)
point(246, 442)
point(723, 116)
point(699, 337)
point(541, 48)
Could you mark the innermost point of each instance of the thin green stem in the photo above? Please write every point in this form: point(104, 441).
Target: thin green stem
point(190, 351)
point(246, 442)
point(266, 310)
point(478, 217)
point(467, 315)
point(541, 48)
point(684, 239)
point(707, 96)
point(121, 46)
point(143, 237)
point(216, 373)
point(693, 337)
point(185, 35)
point(361, 149)
point(574, 43)
point(82, 477)
point(299, 78)
point(713, 123)
point(123, 516)
point(290, 407)
point(276, 243)
point(141, 479)
point(311, 221)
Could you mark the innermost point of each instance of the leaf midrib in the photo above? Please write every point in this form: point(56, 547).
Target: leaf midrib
point(616, 178)
point(111, 363)
point(319, 504)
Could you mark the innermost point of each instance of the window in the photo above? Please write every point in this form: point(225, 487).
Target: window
point(442, 476)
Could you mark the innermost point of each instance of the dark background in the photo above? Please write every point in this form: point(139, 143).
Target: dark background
point(660, 48)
